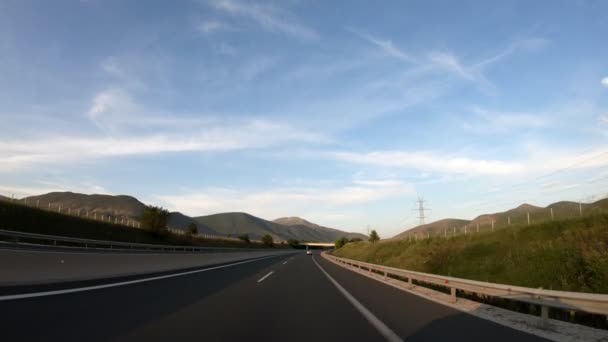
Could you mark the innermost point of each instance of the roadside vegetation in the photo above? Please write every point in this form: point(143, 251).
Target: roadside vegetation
point(31, 220)
point(569, 255)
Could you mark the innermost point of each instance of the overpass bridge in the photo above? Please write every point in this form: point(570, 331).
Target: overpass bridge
point(318, 244)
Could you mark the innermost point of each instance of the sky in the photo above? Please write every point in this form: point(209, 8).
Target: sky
point(340, 112)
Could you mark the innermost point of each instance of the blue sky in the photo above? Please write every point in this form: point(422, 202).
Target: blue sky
point(338, 112)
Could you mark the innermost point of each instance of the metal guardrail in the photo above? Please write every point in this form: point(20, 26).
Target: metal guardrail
point(91, 243)
point(577, 301)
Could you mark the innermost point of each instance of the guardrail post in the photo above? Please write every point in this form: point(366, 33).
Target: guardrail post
point(544, 317)
point(410, 281)
point(453, 294)
point(385, 275)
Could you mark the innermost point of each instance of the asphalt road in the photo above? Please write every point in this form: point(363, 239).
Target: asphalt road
point(278, 298)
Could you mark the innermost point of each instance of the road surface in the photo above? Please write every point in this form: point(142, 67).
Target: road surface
point(277, 298)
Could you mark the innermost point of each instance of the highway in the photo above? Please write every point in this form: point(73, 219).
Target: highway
point(289, 297)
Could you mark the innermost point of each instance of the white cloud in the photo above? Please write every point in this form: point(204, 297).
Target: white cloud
point(537, 162)
point(257, 66)
point(489, 121)
point(431, 162)
point(386, 45)
point(111, 102)
point(268, 17)
point(604, 81)
point(309, 202)
point(212, 26)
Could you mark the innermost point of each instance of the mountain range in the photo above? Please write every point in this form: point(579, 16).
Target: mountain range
point(518, 215)
point(225, 224)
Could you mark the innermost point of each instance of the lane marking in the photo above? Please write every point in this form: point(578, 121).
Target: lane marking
point(285, 262)
point(123, 283)
point(264, 277)
point(382, 328)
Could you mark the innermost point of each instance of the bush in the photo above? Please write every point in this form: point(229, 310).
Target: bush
point(192, 229)
point(244, 238)
point(341, 242)
point(373, 236)
point(267, 240)
point(154, 219)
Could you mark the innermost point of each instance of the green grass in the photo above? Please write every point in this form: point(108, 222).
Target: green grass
point(569, 255)
point(27, 219)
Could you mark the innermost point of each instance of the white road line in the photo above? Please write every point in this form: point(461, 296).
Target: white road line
point(382, 328)
point(285, 262)
point(264, 277)
point(123, 283)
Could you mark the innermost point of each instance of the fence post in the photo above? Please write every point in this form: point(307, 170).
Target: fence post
point(528, 217)
point(509, 220)
point(478, 227)
point(492, 226)
point(580, 209)
point(551, 214)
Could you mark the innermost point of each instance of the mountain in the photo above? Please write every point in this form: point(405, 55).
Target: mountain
point(4, 198)
point(518, 215)
point(235, 224)
point(331, 233)
point(114, 206)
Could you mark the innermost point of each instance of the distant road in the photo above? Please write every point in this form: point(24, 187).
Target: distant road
point(279, 298)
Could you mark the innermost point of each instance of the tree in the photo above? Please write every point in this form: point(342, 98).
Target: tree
point(192, 229)
point(355, 240)
point(341, 242)
point(267, 240)
point(373, 236)
point(244, 238)
point(293, 243)
point(154, 219)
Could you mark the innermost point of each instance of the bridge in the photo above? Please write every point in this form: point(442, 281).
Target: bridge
point(318, 244)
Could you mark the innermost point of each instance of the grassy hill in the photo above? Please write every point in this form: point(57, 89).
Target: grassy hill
point(18, 217)
point(227, 224)
point(516, 216)
point(568, 254)
point(107, 205)
point(235, 224)
point(435, 228)
point(329, 234)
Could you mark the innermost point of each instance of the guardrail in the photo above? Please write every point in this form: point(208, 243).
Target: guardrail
point(587, 302)
point(16, 237)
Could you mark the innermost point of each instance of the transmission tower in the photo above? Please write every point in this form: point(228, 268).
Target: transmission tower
point(421, 209)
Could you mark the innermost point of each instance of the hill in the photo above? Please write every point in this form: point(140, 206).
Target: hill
point(330, 234)
point(227, 224)
point(566, 254)
point(4, 198)
point(512, 217)
point(434, 228)
point(120, 206)
point(235, 224)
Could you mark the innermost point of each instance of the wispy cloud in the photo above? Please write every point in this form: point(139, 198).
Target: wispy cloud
point(487, 121)
point(269, 17)
point(537, 162)
point(257, 66)
point(386, 45)
point(604, 81)
point(280, 202)
point(213, 26)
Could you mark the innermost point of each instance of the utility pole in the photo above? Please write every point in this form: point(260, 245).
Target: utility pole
point(492, 226)
point(478, 227)
point(509, 220)
point(421, 210)
point(580, 209)
point(528, 218)
point(551, 214)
